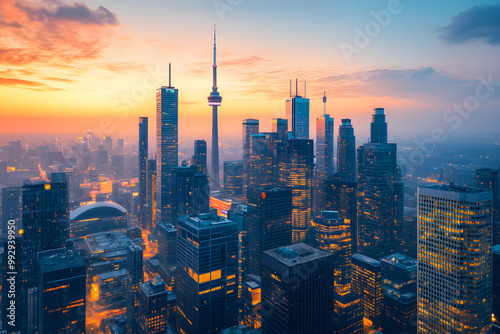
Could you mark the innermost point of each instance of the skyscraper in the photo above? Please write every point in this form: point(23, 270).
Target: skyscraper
point(333, 234)
point(200, 156)
point(280, 127)
point(152, 314)
point(151, 193)
point(45, 223)
point(249, 127)
point(207, 262)
point(167, 141)
point(182, 191)
point(367, 282)
point(378, 127)
point(346, 151)
point(143, 157)
point(297, 114)
point(233, 177)
point(62, 288)
point(341, 196)
point(214, 100)
point(297, 285)
point(262, 160)
point(324, 145)
point(489, 179)
point(380, 193)
point(269, 222)
point(454, 260)
point(496, 284)
point(11, 206)
point(3, 172)
point(296, 172)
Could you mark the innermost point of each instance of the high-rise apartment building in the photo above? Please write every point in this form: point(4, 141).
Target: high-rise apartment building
point(454, 259)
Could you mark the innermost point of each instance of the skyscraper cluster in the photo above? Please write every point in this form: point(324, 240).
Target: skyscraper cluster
point(299, 237)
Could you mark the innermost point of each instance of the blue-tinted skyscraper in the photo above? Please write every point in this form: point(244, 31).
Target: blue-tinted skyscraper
point(143, 157)
point(200, 156)
point(380, 193)
point(324, 145)
point(249, 127)
point(167, 150)
point(346, 151)
point(297, 114)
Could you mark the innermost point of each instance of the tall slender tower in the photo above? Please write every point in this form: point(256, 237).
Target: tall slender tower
point(214, 100)
point(167, 146)
point(143, 157)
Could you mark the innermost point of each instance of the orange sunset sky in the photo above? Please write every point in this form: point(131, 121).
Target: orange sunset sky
point(68, 67)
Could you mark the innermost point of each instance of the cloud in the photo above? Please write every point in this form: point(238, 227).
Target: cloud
point(404, 83)
point(33, 85)
point(76, 12)
point(58, 79)
point(11, 24)
point(479, 23)
point(247, 61)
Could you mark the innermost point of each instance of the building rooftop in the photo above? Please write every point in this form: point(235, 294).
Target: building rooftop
point(401, 261)
point(205, 220)
point(112, 274)
point(154, 287)
point(108, 244)
point(454, 188)
point(366, 259)
point(496, 249)
point(296, 254)
point(67, 259)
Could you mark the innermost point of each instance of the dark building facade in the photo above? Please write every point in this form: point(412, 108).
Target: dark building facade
point(233, 177)
point(62, 288)
point(152, 310)
point(346, 151)
point(151, 193)
point(143, 157)
point(249, 127)
point(380, 193)
point(200, 156)
point(297, 285)
point(167, 148)
point(207, 281)
point(269, 222)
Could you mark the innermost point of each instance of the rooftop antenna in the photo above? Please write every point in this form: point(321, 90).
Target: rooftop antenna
point(296, 87)
point(290, 87)
point(324, 102)
point(169, 75)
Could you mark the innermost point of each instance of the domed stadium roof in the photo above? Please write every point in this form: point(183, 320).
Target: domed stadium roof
point(97, 210)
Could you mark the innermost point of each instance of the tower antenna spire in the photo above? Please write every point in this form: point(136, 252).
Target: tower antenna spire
point(296, 87)
point(290, 87)
point(169, 75)
point(214, 100)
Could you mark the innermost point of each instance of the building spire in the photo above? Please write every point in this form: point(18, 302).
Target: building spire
point(169, 75)
point(215, 63)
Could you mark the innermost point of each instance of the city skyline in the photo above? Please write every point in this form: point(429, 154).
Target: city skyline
point(418, 81)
